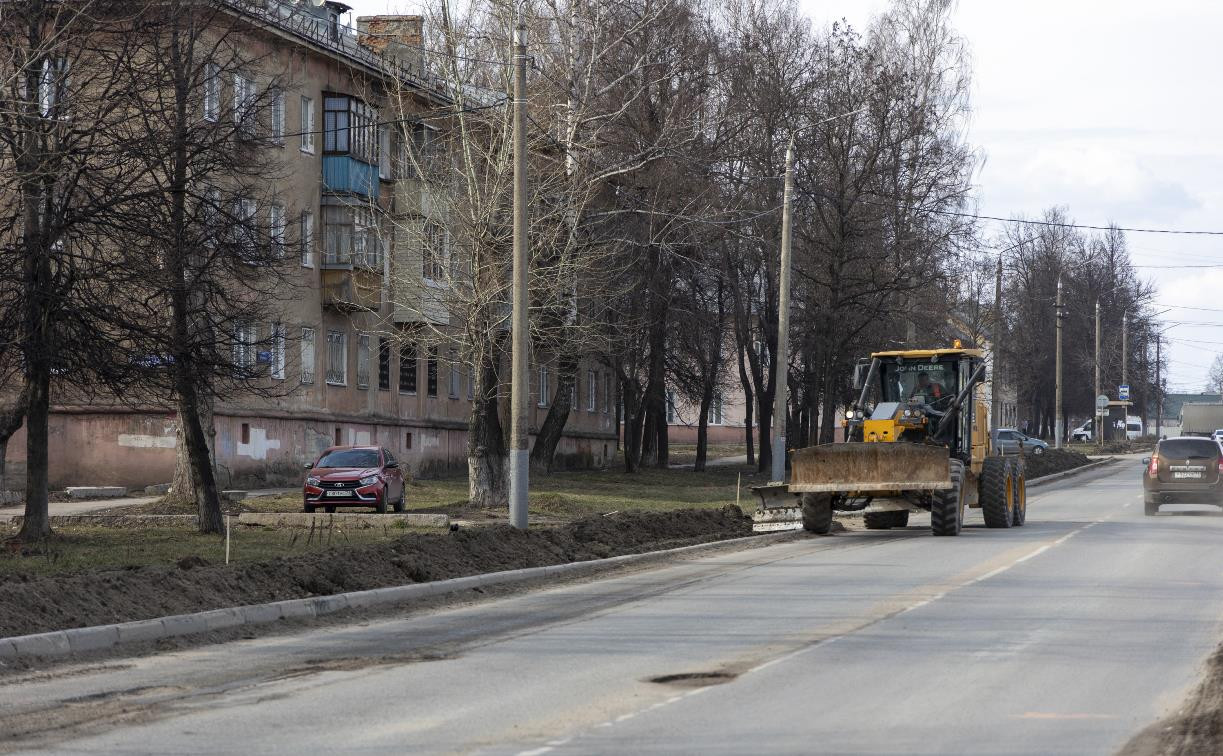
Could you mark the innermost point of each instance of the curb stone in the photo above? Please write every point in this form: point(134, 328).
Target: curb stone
point(1054, 477)
point(60, 643)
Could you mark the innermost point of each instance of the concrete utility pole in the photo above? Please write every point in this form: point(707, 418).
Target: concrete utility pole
point(1057, 379)
point(782, 363)
point(995, 390)
point(1159, 389)
point(519, 385)
point(1099, 424)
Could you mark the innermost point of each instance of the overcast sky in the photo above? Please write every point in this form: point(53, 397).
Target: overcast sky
point(1109, 108)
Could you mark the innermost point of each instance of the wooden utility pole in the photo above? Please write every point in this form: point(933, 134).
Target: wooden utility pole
point(1057, 391)
point(782, 363)
point(519, 385)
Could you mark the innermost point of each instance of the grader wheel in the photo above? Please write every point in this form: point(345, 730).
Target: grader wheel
point(997, 492)
point(947, 506)
point(817, 513)
point(1019, 510)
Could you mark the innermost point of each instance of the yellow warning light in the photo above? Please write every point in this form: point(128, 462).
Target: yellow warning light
point(957, 344)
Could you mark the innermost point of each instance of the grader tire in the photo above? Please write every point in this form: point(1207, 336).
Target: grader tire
point(997, 492)
point(817, 513)
point(1019, 507)
point(885, 520)
point(947, 506)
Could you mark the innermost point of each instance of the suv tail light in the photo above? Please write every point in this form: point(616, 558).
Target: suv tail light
point(1153, 468)
point(1221, 465)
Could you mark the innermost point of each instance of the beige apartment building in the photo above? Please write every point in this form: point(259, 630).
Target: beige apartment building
point(364, 235)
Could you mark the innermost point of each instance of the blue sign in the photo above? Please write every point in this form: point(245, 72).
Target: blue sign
point(1123, 392)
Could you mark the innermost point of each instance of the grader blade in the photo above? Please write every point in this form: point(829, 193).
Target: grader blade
point(779, 509)
point(859, 467)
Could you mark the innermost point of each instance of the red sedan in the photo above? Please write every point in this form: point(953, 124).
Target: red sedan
point(354, 476)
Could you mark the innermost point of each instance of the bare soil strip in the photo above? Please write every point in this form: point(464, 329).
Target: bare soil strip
point(40, 604)
point(1196, 729)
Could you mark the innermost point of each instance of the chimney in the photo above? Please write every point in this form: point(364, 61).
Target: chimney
point(400, 38)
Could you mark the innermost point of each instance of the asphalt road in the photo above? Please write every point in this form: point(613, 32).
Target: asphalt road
point(1068, 635)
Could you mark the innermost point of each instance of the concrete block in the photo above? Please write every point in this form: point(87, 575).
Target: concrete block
point(260, 614)
point(235, 494)
point(329, 604)
point(95, 492)
point(7, 649)
point(92, 638)
point(391, 595)
point(183, 624)
point(341, 520)
point(219, 619)
point(161, 489)
point(141, 631)
point(42, 644)
point(296, 609)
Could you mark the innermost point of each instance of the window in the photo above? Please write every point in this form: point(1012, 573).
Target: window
point(407, 368)
point(413, 161)
point(212, 92)
point(431, 372)
point(244, 227)
point(384, 152)
point(276, 231)
point(305, 235)
point(307, 355)
point(210, 214)
point(670, 407)
point(471, 383)
point(337, 358)
point(384, 364)
point(53, 88)
point(434, 252)
point(456, 380)
point(607, 393)
point(278, 116)
point(244, 101)
point(573, 394)
point(349, 128)
point(246, 433)
point(363, 361)
point(350, 237)
point(307, 125)
point(592, 387)
point(715, 410)
point(407, 440)
point(278, 351)
point(543, 386)
point(244, 347)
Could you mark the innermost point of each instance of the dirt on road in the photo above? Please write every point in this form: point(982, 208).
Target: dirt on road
point(1197, 729)
point(38, 604)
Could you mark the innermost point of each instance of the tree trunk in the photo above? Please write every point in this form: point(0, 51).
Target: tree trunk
point(748, 419)
point(549, 437)
point(487, 456)
point(632, 428)
point(204, 482)
point(655, 450)
point(186, 487)
point(702, 429)
point(37, 522)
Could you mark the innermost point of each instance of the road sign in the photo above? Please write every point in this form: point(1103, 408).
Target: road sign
point(1123, 392)
point(1102, 401)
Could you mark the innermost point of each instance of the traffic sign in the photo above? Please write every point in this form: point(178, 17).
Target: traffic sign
point(1102, 401)
point(1123, 392)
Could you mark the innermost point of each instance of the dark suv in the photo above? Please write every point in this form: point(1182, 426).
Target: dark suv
point(1183, 470)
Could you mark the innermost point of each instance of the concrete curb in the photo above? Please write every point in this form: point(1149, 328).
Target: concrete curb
point(1053, 478)
point(60, 643)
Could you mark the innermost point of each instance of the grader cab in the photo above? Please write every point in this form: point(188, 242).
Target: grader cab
point(917, 440)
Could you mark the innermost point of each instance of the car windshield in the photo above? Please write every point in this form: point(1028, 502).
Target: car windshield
point(927, 381)
point(349, 458)
point(1188, 448)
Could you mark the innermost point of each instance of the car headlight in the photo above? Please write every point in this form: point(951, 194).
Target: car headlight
point(908, 413)
point(312, 480)
point(369, 480)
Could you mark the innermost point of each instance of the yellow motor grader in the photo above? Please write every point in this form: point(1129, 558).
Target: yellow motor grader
point(917, 439)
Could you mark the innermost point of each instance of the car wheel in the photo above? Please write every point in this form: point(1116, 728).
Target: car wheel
point(329, 510)
point(380, 507)
point(1038, 450)
point(399, 507)
point(1152, 508)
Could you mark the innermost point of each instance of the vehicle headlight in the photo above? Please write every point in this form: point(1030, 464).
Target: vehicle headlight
point(908, 413)
point(369, 480)
point(312, 480)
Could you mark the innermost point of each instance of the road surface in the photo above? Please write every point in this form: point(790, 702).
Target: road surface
point(1068, 635)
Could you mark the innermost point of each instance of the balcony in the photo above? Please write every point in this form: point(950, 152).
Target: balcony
point(347, 175)
point(349, 288)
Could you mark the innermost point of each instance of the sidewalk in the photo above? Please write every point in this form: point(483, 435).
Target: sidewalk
point(88, 506)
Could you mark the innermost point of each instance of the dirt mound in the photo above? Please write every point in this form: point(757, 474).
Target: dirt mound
point(1196, 728)
point(32, 605)
point(1052, 461)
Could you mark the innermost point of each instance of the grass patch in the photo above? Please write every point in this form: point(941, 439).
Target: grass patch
point(83, 549)
point(685, 454)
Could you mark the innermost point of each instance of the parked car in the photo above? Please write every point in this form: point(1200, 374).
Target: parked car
point(354, 476)
point(1183, 470)
point(1009, 441)
point(1217, 434)
point(1083, 432)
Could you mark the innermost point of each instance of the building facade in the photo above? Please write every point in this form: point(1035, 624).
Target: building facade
point(350, 360)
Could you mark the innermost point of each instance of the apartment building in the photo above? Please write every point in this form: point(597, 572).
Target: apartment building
point(364, 235)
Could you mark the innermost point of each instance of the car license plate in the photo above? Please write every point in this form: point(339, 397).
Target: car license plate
point(345, 493)
point(1187, 475)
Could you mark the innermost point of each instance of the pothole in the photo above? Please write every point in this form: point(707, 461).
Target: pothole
point(694, 679)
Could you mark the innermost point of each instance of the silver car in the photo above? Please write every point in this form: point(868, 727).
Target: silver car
point(1009, 441)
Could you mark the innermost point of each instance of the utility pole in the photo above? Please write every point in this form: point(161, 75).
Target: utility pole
point(519, 386)
point(1159, 389)
point(782, 363)
point(1057, 391)
point(1099, 424)
point(1125, 347)
point(995, 390)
